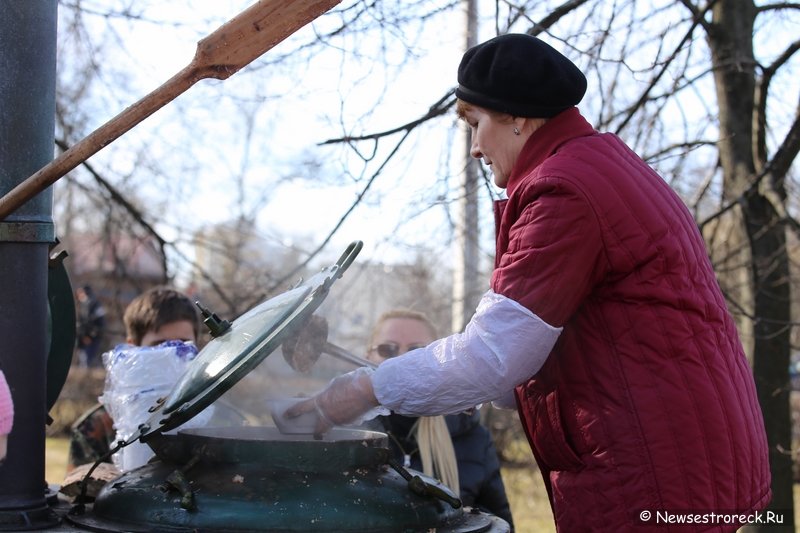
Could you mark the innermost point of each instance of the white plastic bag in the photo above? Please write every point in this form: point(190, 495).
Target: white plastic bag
point(136, 377)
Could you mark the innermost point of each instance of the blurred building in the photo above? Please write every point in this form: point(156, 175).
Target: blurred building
point(118, 267)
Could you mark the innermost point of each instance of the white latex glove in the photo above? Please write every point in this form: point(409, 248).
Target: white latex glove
point(347, 399)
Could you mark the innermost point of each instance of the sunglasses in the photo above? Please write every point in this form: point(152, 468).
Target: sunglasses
point(388, 350)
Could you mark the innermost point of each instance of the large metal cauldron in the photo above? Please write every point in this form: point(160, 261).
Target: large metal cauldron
point(256, 479)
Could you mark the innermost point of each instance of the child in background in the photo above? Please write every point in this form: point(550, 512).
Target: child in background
point(158, 315)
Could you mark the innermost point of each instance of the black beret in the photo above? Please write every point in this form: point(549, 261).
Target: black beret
point(520, 75)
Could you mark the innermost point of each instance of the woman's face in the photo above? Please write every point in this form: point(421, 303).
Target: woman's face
point(494, 141)
point(396, 336)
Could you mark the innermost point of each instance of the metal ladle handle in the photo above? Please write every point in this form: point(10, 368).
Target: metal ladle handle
point(344, 355)
point(303, 347)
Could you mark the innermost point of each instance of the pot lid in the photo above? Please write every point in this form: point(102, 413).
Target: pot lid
point(61, 324)
point(233, 354)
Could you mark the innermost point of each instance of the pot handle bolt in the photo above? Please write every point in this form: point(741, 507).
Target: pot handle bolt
point(430, 489)
point(177, 481)
point(216, 325)
point(157, 405)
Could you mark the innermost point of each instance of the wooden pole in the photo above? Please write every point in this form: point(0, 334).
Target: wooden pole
point(219, 55)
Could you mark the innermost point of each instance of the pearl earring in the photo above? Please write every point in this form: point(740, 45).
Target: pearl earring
point(516, 131)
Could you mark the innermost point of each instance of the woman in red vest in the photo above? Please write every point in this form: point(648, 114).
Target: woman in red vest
point(604, 326)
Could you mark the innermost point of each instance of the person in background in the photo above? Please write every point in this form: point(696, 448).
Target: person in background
point(457, 449)
point(91, 326)
point(604, 327)
point(6, 415)
point(158, 315)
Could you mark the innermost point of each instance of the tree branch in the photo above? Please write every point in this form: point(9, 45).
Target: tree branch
point(760, 103)
point(120, 199)
point(783, 58)
point(554, 16)
point(687, 146)
point(697, 14)
point(291, 274)
point(137, 215)
point(788, 150)
point(442, 106)
point(698, 19)
point(777, 166)
point(777, 6)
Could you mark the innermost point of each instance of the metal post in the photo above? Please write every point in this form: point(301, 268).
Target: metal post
point(27, 115)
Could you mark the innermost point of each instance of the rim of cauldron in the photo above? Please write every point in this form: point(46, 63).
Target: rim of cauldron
point(267, 448)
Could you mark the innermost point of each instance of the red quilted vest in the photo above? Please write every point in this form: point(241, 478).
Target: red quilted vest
point(647, 401)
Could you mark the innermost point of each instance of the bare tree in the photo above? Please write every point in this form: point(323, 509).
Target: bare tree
point(703, 90)
point(754, 178)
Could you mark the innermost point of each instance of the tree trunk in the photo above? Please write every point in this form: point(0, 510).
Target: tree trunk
point(466, 269)
point(770, 268)
point(730, 40)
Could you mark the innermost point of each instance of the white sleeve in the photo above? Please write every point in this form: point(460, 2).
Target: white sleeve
point(503, 345)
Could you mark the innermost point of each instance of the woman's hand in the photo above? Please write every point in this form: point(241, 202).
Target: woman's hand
point(345, 400)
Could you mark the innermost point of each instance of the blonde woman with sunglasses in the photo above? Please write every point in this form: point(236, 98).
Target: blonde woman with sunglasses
point(456, 449)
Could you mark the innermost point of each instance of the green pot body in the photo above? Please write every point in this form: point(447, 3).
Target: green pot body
point(255, 479)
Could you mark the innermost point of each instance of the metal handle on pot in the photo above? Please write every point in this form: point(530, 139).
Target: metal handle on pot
point(302, 347)
point(348, 256)
point(432, 488)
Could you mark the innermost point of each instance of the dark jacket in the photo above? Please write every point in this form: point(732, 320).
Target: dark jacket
point(91, 437)
point(478, 466)
point(647, 400)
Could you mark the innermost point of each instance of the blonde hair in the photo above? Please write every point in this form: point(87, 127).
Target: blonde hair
point(433, 438)
point(400, 313)
point(436, 450)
